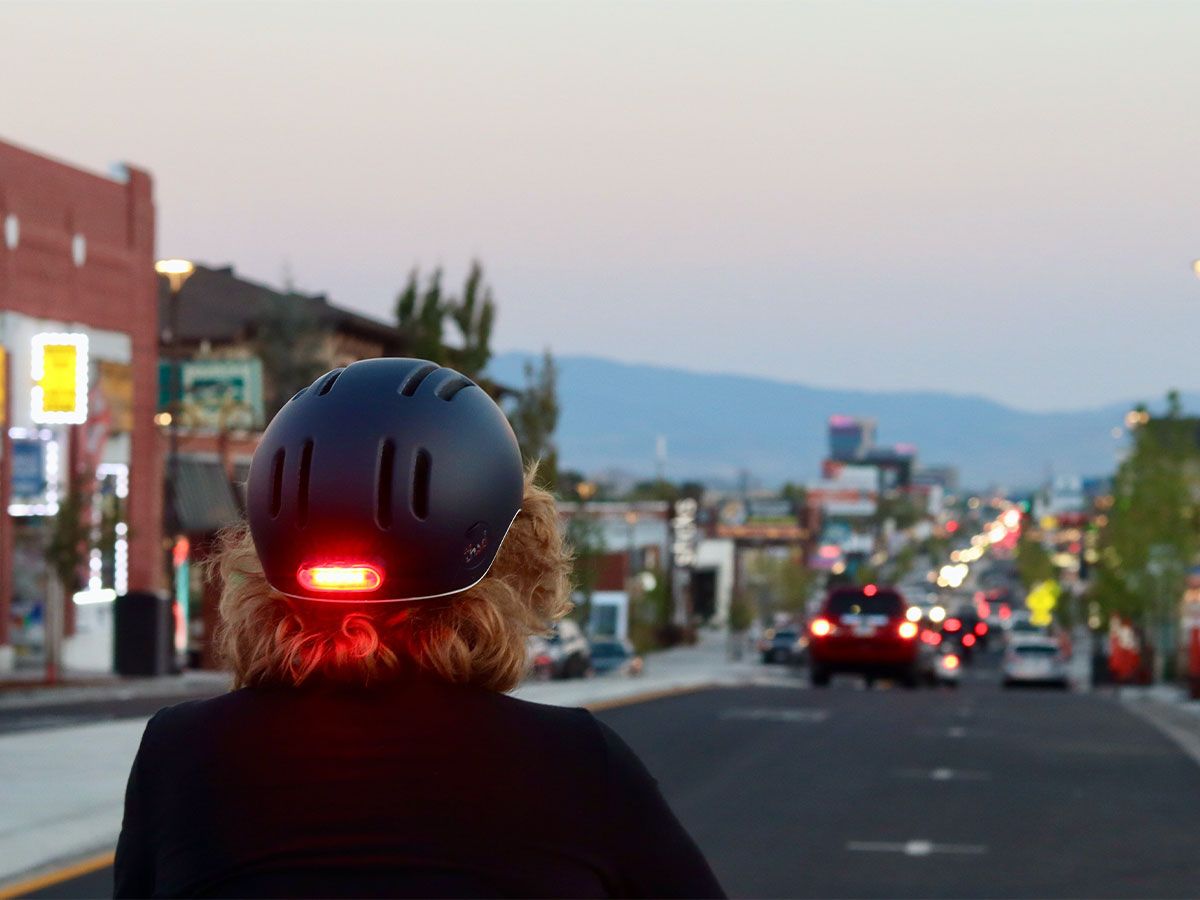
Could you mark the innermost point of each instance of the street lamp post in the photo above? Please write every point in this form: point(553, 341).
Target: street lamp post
point(631, 520)
point(176, 271)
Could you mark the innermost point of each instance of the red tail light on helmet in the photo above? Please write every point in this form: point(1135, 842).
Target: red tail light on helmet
point(340, 577)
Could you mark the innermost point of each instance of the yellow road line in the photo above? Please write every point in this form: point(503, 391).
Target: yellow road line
point(641, 698)
point(66, 873)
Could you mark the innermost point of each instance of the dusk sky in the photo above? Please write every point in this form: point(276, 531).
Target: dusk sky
point(995, 198)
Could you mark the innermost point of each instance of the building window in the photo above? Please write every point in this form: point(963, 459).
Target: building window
point(79, 249)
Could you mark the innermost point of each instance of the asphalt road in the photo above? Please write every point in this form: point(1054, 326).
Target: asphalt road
point(933, 793)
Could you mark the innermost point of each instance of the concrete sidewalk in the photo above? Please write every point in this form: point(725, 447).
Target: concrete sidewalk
point(64, 788)
point(29, 693)
point(1168, 708)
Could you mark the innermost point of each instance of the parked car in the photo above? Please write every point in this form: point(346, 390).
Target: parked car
point(541, 663)
point(563, 653)
point(611, 656)
point(779, 645)
point(1034, 660)
point(864, 630)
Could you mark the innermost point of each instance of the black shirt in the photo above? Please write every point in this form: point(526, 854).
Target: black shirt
point(420, 789)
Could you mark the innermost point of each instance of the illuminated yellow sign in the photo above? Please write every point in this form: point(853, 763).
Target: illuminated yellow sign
point(1041, 602)
point(60, 379)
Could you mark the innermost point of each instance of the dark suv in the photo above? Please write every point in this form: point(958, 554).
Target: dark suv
point(865, 630)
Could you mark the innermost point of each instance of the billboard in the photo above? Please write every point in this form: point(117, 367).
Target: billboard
point(29, 481)
point(115, 386)
point(216, 394)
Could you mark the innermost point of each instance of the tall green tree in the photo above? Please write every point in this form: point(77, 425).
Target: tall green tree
point(1153, 531)
point(534, 417)
point(784, 583)
point(450, 330)
point(290, 341)
point(421, 314)
point(1033, 561)
point(475, 314)
point(585, 537)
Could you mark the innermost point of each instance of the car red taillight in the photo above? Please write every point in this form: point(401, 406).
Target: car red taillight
point(820, 627)
point(951, 625)
point(340, 578)
point(908, 630)
point(968, 640)
point(981, 628)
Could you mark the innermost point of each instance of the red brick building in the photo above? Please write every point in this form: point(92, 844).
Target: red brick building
point(77, 258)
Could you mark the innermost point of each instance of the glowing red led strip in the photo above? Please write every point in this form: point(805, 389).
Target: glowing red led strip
point(339, 578)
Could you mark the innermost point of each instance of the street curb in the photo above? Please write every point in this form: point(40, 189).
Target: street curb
point(647, 696)
point(53, 873)
point(1169, 720)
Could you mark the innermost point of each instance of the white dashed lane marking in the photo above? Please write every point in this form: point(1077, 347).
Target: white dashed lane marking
point(944, 774)
point(915, 848)
point(769, 714)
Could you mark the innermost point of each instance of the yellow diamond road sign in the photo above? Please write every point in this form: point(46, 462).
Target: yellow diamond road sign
point(1041, 602)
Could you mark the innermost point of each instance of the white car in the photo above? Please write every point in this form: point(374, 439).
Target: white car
point(949, 668)
point(1034, 661)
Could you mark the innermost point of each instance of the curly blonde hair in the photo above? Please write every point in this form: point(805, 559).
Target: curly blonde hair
point(477, 637)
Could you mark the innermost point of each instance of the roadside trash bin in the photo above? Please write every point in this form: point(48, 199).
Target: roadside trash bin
point(143, 634)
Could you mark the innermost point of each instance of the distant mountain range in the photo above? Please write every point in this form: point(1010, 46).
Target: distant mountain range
point(718, 425)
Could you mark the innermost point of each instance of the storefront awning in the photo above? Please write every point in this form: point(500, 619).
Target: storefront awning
point(204, 498)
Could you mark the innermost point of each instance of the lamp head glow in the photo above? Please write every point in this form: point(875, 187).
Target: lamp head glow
point(176, 271)
point(174, 267)
point(355, 577)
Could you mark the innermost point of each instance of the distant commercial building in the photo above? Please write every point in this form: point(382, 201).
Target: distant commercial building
point(895, 465)
point(79, 339)
point(850, 438)
point(1066, 496)
point(945, 477)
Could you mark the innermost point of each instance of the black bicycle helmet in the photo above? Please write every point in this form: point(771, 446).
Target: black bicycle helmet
point(389, 479)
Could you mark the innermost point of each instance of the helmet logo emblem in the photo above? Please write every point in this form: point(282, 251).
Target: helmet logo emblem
point(478, 542)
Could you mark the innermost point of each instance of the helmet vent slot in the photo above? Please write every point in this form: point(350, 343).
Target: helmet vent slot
point(420, 486)
point(276, 482)
point(451, 386)
point(383, 483)
point(305, 474)
point(298, 394)
point(413, 380)
point(327, 383)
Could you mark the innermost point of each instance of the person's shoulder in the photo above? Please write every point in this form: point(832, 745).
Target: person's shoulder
point(568, 728)
point(193, 715)
point(567, 716)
